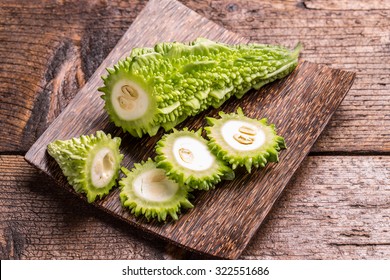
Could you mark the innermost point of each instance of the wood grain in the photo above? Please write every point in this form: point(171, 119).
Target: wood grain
point(300, 106)
point(356, 5)
point(335, 207)
point(49, 49)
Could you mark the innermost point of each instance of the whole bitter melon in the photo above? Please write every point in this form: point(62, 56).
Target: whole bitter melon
point(187, 159)
point(146, 190)
point(91, 163)
point(162, 86)
point(242, 141)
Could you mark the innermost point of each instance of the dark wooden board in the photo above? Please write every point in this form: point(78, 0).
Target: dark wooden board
point(223, 220)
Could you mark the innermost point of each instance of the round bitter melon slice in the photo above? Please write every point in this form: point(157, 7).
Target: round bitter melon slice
point(187, 159)
point(147, 191)
point(242, 141)
point(90, 163)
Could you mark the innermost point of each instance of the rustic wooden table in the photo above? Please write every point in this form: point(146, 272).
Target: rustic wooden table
point(337, 205)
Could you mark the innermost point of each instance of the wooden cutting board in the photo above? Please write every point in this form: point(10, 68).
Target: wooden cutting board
point(225, 219)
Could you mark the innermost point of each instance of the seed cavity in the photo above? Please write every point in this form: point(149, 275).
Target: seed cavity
point(245, 140)
point(186, 155)
point(247, 130)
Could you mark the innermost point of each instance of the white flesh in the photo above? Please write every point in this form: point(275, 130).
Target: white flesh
point(153, 185)
point(102, 168)
point(139, 106)
point(231, 128)
point(202, 158)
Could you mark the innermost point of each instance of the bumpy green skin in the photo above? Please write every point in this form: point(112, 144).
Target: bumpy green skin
point(150, 209)
point(75, 158)
point(200, 180)
point(182, 80)
point(268, 152)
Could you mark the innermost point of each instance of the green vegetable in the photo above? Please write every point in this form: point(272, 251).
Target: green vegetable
point(242, 141)
point(148, 191)
point(90, 163)
point(162, 86)
point(187, 159)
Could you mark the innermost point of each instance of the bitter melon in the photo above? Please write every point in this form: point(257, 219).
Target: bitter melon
point(242, 141)
point(187, 159)
point(162, 86)
point(147, 191)
point(90, 163)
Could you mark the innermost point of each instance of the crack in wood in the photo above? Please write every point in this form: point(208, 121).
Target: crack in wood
point(355, 235)
point(62, 80)
point(12, 242)
point(359, 244)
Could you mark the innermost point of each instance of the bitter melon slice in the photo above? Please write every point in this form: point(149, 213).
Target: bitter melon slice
point(147, 191)
point(187, 159)
point(162, 86)
point(242, 141)
point(90, 163)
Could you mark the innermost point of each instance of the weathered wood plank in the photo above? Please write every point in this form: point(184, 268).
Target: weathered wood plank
point(334, 208)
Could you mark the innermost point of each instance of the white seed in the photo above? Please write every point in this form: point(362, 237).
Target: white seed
point(125, 103)
point(243, 139)
point(186, 155)
point(247, 130)
point(129, 92)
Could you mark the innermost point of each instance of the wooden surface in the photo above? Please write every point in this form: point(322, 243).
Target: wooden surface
point(49, 49)
point(223, 220)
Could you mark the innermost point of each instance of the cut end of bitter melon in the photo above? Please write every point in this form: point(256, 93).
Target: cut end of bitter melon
point(147, 191)
point(243, 141)
point(90, 163)
point(187, 159)
point(129, 101)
